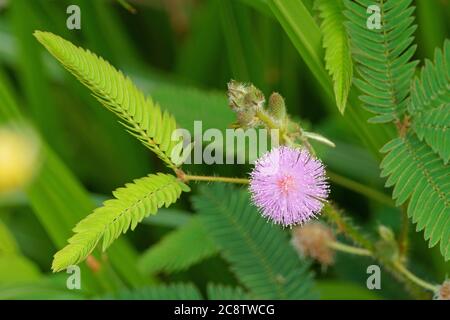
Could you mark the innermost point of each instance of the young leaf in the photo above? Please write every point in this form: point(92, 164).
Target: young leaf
point(179, 250)
point(420, 175)
point(140, 115)
point(430, 103)
point(337, 48)
point(132, 204)
point(260, 254)
point(383, 55)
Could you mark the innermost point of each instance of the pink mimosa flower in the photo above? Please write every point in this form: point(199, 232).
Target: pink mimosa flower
point(289, 186)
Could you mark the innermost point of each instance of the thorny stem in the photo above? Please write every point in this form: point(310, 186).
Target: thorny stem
point(345, 225)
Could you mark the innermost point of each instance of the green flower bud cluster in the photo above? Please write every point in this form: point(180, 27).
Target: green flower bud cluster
point(248, 101)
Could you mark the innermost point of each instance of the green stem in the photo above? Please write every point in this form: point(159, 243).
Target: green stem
point(349, 249)
point(346, 226)
point(271, 124)
point(215, 179)
point(409, 275)
point(360, 188)
point(127, 6)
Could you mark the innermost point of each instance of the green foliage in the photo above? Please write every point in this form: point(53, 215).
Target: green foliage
point(383, 56)
point(337, 48)
point(8, 244)
point(221, 292)
point(419, 174)
point(140, 115)
point(343, 290)
point(59, 200)
point(177, 291)
point(211, 107)
point(259, 253)
point(15, 268)
point(42, 289)
point(430, 103)
point(132, 204)
point(179, 250)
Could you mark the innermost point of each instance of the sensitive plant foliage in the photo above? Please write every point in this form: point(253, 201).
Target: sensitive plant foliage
point(417, 174)
point(259, 254)
point(140, 115)
point(419, 107)
point(338, 58)
point(430, 103)
point(383, 56)
point(289, 186)
point(132, 204)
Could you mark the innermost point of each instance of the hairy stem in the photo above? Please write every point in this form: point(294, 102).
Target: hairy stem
point(338, 246)
point(413, 278)
point(346, 226)
point(188, 178)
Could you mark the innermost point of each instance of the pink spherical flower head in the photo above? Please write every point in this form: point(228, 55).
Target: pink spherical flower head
point(289, 186)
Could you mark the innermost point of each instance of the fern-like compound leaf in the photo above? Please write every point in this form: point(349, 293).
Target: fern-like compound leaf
point(221, 292)
point(260, 254)
point(140, 115)
point(337, 48)
point(179, 250)
point(420, 176)
point(430, 103)
point(382, 54)
point(175, 291)
point(132, 204)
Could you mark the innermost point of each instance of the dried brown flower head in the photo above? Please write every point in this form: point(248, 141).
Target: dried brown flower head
point(311, 240)
point(444, 291)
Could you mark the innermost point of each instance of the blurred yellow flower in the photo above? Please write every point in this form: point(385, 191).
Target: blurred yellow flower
point(18, 159)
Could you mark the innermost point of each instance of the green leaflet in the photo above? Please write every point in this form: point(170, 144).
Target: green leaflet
point(383, 56)
point(140, 115)
point(420, 176)
point(221, 292)
point(430, 103)
point(132, 204)
point(178, 291)
point(179, 250)
point(337, 49)
point(260, 254)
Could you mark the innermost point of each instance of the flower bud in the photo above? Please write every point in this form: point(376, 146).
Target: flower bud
point(246, 119)
point(387, 247)
point(277, 107)
point(312, 239)
point(243, 97)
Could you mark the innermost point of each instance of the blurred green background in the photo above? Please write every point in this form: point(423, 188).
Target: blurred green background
point(182, 53)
